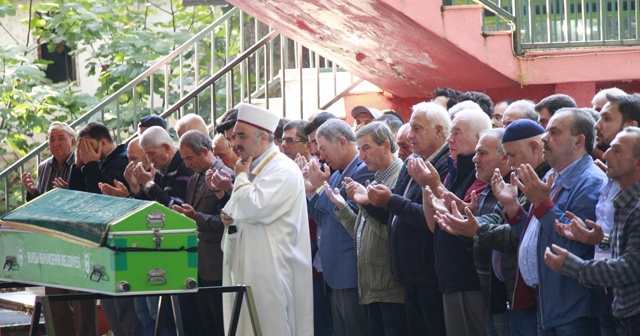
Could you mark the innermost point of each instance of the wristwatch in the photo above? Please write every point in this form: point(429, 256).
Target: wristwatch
point(605, 244)
point(147, 186)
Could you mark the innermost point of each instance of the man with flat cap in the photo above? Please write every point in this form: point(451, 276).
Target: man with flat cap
point(68, 317)
point(266, 242)
point(150, 121)
point(522, 144)
point(363, 115)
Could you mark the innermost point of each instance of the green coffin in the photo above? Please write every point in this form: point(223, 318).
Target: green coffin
point(99, 244)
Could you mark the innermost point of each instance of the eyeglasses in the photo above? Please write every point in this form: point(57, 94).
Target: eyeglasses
point(291, 140)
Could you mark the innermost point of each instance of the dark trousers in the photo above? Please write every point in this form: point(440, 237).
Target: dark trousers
point(425, 312)
point(209, 310)
point(71, 318)
point(524, 322)
point(322, 322)
point(387, 319)
point(349, 316)
point(607, 322)
point(629, 326)
point(122, 317)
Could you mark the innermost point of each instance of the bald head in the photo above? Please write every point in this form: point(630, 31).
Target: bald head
point(191, 122)
point(223, 151)
point(520, 109)
point(402, 140)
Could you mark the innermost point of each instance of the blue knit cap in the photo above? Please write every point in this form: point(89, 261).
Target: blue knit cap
point(521, 129)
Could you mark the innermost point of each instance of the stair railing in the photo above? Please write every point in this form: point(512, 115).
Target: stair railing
point(186, 82)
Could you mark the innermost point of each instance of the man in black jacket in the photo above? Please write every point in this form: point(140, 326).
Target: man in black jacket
point(100, 161)
point(204, 205)
point(167, 182)
point(410, 241)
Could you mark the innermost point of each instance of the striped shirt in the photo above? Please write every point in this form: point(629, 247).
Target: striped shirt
point(622, 271)
point(48, 171)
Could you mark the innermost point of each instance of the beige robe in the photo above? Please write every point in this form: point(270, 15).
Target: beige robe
point(271, 249)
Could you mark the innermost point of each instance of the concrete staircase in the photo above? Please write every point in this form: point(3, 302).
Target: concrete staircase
point(410, 47)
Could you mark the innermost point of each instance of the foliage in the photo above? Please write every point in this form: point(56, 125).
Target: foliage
point(121, 40)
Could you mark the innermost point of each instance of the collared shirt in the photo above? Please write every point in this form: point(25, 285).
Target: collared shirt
point(50, 172)
point(417, 157)
point(379, 178)
point(620, 272)
point(605, 211)
point(256, 161)
point(528, 250)
point(436, 152)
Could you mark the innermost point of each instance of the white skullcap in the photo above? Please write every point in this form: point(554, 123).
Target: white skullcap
point(60, 126)
point(258, 117)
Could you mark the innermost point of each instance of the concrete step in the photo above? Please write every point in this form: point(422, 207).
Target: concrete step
point(16, 309)
point(15, 323)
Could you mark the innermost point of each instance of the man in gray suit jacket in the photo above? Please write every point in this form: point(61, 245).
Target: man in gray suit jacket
point(203, 205)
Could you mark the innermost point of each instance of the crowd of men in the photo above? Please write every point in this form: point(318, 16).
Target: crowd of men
point(518, 218)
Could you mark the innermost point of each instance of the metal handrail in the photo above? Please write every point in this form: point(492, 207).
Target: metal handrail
point(511, 19)
point(223, 71)
point(236, 71)
point(126, 88)
point(538, 24)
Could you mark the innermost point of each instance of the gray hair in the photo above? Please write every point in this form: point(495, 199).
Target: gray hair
point(495, 133)
point(581, 123)
point(602, 94)
point(196, 141)
point(479, 121)
point(380, 133)
point(463, 106)
point(299, 126)
point(155, 136)
point(436, 115)
point(525, 107)
point(635, 131)
point(333, 129)
point(218, 137)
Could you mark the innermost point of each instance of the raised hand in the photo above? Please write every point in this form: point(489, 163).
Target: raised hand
point(118, 189)
point(131, 178)
point(315, 175)
point(555, 259)
point(432, 202)
point(536, 190)
point(79, 153)
point(423, 173)
point(356, 191)
point(458, 225)
point(142, 175)
point(185, 209)
point(379, 195)
point(451, 198)
point(242, 166)
point(300, 160)
point(88, 153)
point(585, 232)
point(29, 184)
point(506, 193)
point(218, 180)
point(334, 196)
point(59, 182)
